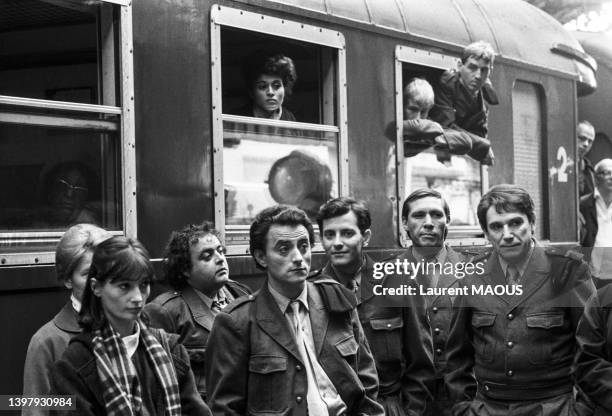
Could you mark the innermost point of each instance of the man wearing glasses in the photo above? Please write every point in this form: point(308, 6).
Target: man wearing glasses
point(596, 219)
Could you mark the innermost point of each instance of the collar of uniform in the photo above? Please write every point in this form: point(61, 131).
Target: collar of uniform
point(283, 301)
point(206, 299)
point(521, 266)
point(356, 276)
point(440, 256)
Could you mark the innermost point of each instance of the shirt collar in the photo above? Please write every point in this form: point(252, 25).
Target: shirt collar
point(207, 300)
point(131, 341)
point(440, 256)
point(283, 301)
point(521, 266)
point(76, 304)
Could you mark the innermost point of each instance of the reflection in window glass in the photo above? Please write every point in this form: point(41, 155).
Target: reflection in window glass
point(266, 165)
point(55, 178)
point(459, 183)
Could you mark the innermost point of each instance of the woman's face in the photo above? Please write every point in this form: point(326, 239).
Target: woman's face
point(122, 299)
point(76, 282)
point(268, 93)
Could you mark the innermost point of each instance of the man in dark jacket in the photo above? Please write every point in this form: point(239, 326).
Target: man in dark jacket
point(512, 338)
point(400, 337)
point(585, 135)
point(294, 347)
point(197, 270)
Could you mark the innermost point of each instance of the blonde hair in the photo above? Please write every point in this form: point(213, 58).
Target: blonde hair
point(421, 92)
point(74, 244)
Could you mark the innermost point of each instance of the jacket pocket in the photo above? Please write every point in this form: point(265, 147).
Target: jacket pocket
point(484, 341)
point(385, 340)
point(347, 347)
point(540, 333)
point(268, 385)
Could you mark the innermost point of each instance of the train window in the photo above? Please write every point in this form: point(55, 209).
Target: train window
point(276, 140)
point(461, 180)
point(529, 166)
point(67, 148)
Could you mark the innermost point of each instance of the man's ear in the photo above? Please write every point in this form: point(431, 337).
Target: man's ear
point(260, 258)
point(96, 288)
point(68, 283)
point(367, 234)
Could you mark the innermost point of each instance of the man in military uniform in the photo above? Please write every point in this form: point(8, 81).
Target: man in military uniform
point(425, 217)
point(400, 337)
point(514, 331)
point(294, 347)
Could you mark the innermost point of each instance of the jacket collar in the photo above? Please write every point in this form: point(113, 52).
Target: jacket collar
point(366, 288)
point(67, 319)
point(201, 313)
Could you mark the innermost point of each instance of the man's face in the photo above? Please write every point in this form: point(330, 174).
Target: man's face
point(286, 257)
point(426, 222)
point(342, 240)
point(413, 111)
point(585, 135)
point(268, 93)
point(209, 270)
point(69, 192)
point(474, 73)
point(603, 176)
point(510, 233)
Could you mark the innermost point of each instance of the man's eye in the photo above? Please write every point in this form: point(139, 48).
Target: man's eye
point(348, 233)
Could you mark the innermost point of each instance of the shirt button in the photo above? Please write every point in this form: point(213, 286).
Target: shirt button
point(510, 373)
point(436, 331)
point(434, 309)
point(298, 367)
point(510, 344)
point(510, 316)
point(298, 399)
point(439, 351)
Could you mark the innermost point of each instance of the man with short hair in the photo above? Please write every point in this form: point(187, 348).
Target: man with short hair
point(425, 217)
point(596, 211)
point(461, 94)
point(512, 339)
point(294, 347)
point(585, 135)
point(400, 337)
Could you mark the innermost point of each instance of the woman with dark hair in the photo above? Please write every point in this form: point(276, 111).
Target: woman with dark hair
point(269, 79)
point(72, 261)
point(117, 365)
point(197, 270)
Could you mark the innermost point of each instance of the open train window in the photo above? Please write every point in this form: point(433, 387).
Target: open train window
point(272, 147)
point(461, 180)
point(66, 123)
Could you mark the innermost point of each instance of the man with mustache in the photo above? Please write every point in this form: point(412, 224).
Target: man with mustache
point(400, 337)
point(511, 352)
point(197, 270)
point(294, 347)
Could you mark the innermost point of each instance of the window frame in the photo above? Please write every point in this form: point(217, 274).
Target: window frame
point(222, 16)
point(457, 235)
point(126, 128)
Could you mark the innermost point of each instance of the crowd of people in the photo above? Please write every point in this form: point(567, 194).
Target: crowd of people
point(323, 342)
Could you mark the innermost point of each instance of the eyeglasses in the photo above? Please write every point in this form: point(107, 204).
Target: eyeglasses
point(66, 186)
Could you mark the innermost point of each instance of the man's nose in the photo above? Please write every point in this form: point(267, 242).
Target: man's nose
point(427, 221)
point(506, 234)
point(269, 90)
point(297, 256)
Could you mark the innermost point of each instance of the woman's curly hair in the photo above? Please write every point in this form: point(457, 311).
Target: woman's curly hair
point(177, 257)
point(278, 64)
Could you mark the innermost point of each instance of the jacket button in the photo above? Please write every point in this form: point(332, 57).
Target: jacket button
point(434, 309)
point(437, 331)
point(510, 344)
point(439, 351)
point(510, 316)
point(510, 373)
point(298, 399)
point(298, 367)
point(388, 325)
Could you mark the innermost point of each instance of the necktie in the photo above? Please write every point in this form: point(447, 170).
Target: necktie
point(512, 275)
point(218, 304)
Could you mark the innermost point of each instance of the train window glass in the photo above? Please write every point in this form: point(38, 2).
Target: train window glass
point(273, 147)
point(527, 125)
point(66, 106)
point(460, 180)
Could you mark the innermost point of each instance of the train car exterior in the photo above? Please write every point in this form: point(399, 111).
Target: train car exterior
point(145, 92)
point(596, 107)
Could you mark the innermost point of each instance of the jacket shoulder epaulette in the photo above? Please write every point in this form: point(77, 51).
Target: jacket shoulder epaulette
point(237, 286)
point(475, 256)
point(166, 297)
point(237, 303)
point(313, 275)
point(567, 253)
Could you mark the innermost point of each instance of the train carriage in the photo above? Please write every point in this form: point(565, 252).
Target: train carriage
point(138, 103)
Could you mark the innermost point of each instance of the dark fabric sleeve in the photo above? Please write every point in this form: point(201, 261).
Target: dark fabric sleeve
point(593, 369)
point(443, 110)
point(226, 367)
point(159, 317)
point(366, 369)
point(66, 380)
point(191, 401)
point(419, 374)
point(460, 379)
point(462, 142)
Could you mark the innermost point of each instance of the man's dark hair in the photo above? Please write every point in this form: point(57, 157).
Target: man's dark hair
point(177, 257)
point(424, 193)
point(505, 198)
point(339, 206)
point(115, 259)
point(276, 215)
point(279, 65)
